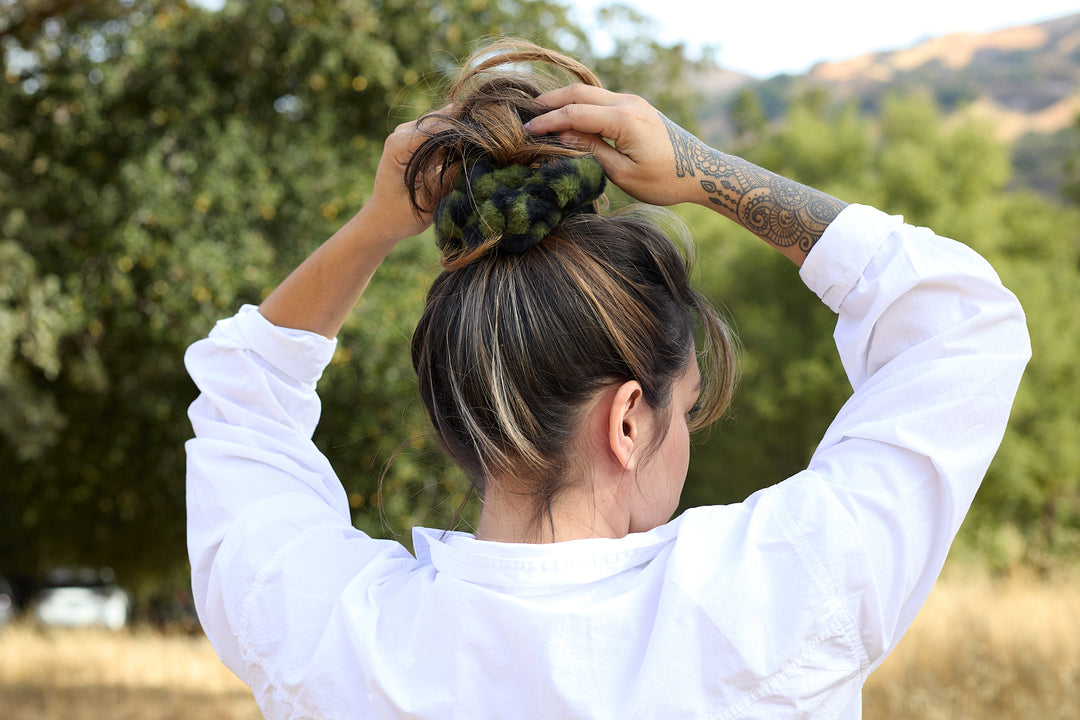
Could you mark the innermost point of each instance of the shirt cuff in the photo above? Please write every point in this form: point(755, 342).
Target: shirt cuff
point(837, 261)
point(299, 354)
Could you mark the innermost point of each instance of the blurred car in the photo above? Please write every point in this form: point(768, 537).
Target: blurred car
point(7, 601)
point(72, 597)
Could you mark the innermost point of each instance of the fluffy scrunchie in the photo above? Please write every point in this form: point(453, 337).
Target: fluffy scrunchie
point(518, 203)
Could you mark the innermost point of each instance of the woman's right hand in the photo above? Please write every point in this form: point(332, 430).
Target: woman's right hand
point(648, 156)
point(658, 162)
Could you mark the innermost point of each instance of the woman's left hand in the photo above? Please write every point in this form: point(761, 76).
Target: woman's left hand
point(319, 294)
point(389, 209)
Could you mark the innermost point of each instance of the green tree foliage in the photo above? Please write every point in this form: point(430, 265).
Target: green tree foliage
point(638, 63)
point(747, 115)
point(160, 165)
point(951, 176)
point(1047, 162)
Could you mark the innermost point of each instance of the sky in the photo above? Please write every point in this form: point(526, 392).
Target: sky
point(766, 37)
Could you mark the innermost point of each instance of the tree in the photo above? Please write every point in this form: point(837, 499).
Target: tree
point(636, 62)
point(747, 116)
point(952, 176)
point(160, 165)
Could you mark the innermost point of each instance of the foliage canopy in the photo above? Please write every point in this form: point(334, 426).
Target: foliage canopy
point(161, 164)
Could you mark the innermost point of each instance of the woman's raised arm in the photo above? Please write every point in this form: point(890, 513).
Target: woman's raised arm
point(321, 292)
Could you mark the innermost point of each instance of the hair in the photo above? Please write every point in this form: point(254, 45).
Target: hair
point(512, 346)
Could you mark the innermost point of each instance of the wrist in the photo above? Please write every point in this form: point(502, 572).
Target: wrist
point(377, 228)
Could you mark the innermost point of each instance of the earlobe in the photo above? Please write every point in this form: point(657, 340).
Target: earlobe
point(623, 423)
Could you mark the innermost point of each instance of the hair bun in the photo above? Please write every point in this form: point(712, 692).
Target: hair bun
point(520, 205)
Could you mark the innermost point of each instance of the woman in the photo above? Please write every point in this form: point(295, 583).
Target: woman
point(556, 359)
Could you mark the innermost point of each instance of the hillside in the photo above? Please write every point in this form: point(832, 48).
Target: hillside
point(1023, 81)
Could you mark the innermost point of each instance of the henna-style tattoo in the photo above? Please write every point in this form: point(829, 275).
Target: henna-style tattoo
point(780, 211)
point(684, 164)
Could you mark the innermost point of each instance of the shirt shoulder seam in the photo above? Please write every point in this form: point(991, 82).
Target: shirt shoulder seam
point(825, 580)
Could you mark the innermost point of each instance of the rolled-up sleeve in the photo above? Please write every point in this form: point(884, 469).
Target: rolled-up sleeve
point(934, 347)
point(270, 537)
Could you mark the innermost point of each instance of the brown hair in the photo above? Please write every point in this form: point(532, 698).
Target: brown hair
point(511, 348)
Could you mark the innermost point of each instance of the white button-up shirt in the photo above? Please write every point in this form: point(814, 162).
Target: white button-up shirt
point(776, 607)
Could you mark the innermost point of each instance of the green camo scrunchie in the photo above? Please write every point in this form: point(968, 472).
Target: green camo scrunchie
point(519, 203)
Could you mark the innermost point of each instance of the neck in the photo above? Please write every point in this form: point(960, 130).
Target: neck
point(577, 514)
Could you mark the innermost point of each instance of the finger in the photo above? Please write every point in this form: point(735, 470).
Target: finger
point(437, 118)
point(615, 164)
point(604, 121)
point(407, 137)
point(578, 93)
point(439, 115)
point(591, 144)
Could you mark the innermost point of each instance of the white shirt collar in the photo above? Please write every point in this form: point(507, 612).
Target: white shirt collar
point(462, 556)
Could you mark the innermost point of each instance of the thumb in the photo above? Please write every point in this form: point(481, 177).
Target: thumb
point(613, 161)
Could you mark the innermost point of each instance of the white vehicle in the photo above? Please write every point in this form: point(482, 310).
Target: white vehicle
point(83, 596)
point(7, 601)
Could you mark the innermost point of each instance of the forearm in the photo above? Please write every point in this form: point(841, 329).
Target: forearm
point(319, 294)
point(786, 214)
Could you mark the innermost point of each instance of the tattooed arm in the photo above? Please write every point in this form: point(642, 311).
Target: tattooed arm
point(785, 213)
point(658, 162)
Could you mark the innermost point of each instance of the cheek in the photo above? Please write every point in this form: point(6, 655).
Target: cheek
point(677, 460)
point(681, 464)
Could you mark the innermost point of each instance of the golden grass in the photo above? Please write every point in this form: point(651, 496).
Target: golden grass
point(96, 674)
point(981, 648)
point(993, 650)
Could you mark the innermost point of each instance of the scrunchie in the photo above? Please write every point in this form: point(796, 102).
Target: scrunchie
point(518, 203)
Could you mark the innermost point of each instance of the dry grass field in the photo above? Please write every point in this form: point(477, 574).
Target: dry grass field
point(992, 650)
point(59, 674)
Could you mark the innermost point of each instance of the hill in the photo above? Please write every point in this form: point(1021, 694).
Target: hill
point(1023, 81)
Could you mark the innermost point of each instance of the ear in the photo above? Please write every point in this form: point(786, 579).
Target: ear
point(626, 423)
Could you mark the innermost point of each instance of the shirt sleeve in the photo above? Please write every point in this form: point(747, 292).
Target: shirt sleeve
point(270, 536)
point(934, 347)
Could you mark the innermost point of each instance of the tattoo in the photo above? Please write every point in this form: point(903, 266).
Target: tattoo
point(780, 211)
point(683, 162)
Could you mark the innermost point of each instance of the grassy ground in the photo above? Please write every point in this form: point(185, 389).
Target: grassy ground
point(985, 649)
point(993, 650)
point(103, 675)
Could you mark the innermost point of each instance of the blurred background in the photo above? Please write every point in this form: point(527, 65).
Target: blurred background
point(163, 162)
